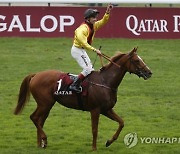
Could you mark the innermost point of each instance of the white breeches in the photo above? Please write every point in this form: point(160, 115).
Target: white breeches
point(83, 60)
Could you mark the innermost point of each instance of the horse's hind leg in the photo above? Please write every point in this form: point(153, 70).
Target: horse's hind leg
point(38, 118)
point(35, 118)
point(112, 115)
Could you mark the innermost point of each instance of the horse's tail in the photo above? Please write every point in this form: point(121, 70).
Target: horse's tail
point(24, 94)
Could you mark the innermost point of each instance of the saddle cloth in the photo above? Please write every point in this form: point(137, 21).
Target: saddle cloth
point(63, 83)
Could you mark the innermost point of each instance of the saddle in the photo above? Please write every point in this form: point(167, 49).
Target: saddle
point(63, 83)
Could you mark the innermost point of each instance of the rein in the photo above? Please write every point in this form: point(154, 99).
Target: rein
point(104, 86)
point(109, 59)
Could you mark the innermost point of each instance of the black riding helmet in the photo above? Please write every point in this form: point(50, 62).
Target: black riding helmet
point(90, 13)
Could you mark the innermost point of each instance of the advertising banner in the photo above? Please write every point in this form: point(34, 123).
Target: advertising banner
point(145, 23)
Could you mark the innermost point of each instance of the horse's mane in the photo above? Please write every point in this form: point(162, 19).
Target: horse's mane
point(114, 58)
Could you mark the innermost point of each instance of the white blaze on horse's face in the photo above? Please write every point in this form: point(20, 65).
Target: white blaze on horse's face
point(140, 58)
point(143, 62)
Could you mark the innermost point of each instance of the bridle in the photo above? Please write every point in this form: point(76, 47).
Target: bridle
point(138, 70)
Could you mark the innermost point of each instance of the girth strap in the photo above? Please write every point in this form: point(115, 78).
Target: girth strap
point(80, 102)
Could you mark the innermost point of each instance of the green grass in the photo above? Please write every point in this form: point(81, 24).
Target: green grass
point(149, 108)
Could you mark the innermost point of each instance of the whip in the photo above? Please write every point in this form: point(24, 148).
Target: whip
point(96, 56)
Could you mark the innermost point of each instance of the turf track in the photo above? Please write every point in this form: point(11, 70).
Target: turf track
point(149, 108)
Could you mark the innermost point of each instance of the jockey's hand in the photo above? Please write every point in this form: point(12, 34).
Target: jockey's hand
point(109, 8)
point(98, 52)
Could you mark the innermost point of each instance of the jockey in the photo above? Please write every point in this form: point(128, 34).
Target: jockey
point(83, 38)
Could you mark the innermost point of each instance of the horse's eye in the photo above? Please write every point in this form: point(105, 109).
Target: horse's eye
point(137, 61)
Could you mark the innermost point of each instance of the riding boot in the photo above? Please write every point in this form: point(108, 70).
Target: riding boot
point(75, 86)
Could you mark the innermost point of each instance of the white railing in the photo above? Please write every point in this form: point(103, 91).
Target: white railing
point(93, 1)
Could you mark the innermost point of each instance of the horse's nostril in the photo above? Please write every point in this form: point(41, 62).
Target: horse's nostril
point(150, 74)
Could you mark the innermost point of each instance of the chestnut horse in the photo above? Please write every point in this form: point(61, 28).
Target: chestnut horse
point(101, 98)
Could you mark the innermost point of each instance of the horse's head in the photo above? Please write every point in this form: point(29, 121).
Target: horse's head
point(137, 66)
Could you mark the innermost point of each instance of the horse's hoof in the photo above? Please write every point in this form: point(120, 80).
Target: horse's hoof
point(43, 144)
point(94, 149)
point(108, 143)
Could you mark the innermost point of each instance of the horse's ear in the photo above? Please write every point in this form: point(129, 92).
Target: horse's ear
point(133, 51)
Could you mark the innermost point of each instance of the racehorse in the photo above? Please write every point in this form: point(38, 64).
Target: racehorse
point(101, 97)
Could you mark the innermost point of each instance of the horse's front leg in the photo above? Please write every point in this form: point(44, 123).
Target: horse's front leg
point(112, 115)
point(94, 121)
